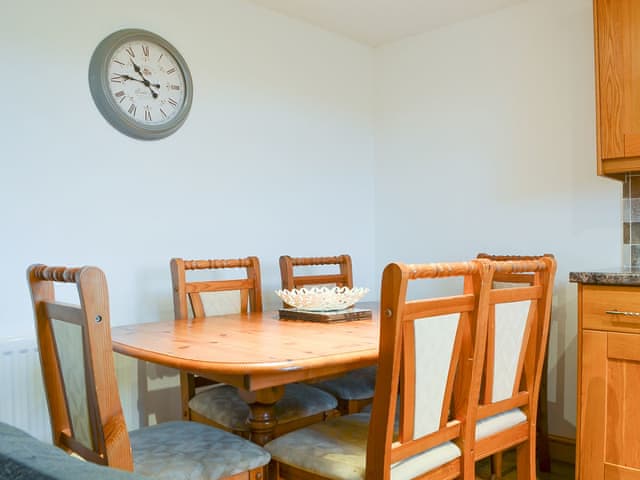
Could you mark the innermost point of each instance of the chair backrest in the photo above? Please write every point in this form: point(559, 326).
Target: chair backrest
point(78, 366)
point(431, 351)
point(512, 279)
point(518, 329)
point(290, 280)
point(189, 293)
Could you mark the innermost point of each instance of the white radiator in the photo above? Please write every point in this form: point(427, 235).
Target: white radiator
point(24, 405)
point(22, 400)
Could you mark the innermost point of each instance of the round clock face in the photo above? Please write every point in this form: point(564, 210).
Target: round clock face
point(140, 84)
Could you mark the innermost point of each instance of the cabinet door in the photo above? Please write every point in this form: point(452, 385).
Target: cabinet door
point(609, 435)
point(617, 30)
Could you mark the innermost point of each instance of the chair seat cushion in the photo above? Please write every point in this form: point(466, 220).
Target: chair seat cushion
point(190, 450)
point(355, 385)
point(337, 449)
point(223, 405)
point(500, 422)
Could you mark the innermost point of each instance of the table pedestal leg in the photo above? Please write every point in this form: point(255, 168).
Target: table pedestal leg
point(262, 418)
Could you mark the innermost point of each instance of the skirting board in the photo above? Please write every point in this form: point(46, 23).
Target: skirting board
point(562, 449)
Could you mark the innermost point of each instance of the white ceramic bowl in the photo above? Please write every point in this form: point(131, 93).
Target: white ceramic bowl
point(322, 299)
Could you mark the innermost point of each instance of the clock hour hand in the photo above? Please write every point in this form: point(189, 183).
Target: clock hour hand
point(145, 81)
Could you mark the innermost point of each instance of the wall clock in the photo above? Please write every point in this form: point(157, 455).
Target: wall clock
point(140, 84)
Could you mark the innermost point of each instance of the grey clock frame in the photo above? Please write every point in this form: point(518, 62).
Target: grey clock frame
point(99, 86)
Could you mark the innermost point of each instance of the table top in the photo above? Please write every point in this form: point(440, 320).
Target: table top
point(255, 350)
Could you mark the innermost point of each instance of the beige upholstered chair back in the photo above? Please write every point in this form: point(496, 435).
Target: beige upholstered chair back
point(519, 313)
point(77, 365)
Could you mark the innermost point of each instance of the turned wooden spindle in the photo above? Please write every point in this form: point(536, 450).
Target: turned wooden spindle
point(512, 266)
point(336, 260)
point(438, 270)
point(503, 258)
point(215, 264)
point(54, 274)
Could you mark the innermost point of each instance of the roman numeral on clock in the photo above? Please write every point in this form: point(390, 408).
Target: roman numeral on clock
point(145, 51)
point(172, 102)
point(147, 113)
point(130, 51)
point(132, 110)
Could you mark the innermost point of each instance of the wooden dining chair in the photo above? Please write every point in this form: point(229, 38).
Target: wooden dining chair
point(353, 390)
point(84, 404)
point(221, 405)
point(503, 280)
point(519, 317)
point(431, 354)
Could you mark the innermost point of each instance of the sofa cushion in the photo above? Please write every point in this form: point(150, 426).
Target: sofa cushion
point(25, 457)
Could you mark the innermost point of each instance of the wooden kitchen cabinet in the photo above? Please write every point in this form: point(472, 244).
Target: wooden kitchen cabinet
point(608, 436)
point(617, 60)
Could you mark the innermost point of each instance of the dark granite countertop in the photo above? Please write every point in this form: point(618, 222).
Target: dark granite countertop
point(612, 276)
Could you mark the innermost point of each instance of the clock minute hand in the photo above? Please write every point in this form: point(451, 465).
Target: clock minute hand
point(128, 77)
point(146, 82)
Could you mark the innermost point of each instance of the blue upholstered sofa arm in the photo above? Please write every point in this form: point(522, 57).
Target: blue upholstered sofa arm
point(25, 457)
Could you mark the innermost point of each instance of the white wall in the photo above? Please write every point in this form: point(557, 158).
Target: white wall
point(275, 156)
point(485, 139)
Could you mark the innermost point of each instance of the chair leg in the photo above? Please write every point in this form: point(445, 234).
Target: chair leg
point(347, 407)
point(542, 436)
point(496, 465)
point(187, 391)
point(468, 467)
point(273, 471)
point(526, 461)
point(260, 473)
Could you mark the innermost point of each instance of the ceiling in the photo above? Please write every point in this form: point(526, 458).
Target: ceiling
point(375, 22)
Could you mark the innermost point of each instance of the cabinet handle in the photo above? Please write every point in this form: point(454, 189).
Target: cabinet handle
point(623, 314)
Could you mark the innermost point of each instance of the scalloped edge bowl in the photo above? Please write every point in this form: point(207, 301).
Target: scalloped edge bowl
point(322, 299)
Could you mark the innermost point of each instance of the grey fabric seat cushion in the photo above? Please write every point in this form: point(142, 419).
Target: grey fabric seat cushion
point(337, 449)
point(355, 385)
point(25, 457)
point(190, 450)
point(223, 405)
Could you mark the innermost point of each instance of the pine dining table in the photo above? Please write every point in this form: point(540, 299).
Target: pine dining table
point(258, 353)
